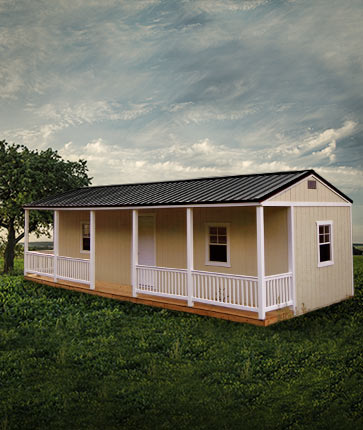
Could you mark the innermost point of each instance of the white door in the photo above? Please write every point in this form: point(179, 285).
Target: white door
point(147, 240)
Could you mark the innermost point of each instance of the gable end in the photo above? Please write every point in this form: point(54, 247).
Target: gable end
point(306, 190)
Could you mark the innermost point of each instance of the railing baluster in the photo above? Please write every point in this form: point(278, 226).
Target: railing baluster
point(237, 288)
point(283, 287)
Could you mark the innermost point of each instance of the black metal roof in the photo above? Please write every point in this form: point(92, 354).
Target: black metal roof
point(226, 189)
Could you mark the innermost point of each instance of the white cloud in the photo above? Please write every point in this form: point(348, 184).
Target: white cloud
point(61, 117)
point(91, 112)
point(111, 164)
point(321, 145)
point(328, 136)
point(328, 152)
point(96, 147)
point(215, 6)
point(11, 81)
point(192, 113)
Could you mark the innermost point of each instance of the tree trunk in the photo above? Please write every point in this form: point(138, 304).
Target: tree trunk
point(10, 249)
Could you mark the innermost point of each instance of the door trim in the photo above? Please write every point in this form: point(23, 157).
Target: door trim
point(153, 215)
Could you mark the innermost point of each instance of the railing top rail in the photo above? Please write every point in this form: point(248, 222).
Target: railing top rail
point(171, 269)
point(83, 260)
point(39, 253)
point(59, 257)
point(225, 275)
point(279, 276)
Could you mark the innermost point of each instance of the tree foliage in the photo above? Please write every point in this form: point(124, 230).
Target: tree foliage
point(29, 175)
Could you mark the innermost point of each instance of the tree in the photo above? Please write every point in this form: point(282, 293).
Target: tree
point(26, 176)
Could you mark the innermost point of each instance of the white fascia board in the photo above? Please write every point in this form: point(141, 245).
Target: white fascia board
point(211, 205)
point(288, 203)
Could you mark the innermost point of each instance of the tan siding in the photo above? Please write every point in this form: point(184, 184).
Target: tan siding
point(70, 233)
point(301, 193)
point(242, 238)
point(276, 240)
point(113, 240)
point(113, 246)
point(317, 287)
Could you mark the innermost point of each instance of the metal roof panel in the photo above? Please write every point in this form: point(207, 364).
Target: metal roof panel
point(237, 188)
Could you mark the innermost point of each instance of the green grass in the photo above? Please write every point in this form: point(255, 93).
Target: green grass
point(18, 266)
point(74, 361)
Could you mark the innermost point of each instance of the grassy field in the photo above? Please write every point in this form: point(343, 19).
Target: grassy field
point(74, 361)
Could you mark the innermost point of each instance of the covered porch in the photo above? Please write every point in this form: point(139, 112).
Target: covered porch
point(260, 296)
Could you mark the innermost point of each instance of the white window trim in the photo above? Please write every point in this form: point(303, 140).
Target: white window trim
point(83, 251)
point(217, 263)
point(331, 261)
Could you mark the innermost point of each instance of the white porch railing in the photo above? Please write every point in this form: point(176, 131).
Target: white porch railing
point(162, 281)
point(39, 263)
point(71, 269)
point(234, 291)
point(221, 289)
point(278, 291)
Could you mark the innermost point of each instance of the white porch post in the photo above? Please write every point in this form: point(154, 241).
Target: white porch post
point(261, 262)
point(26, 239)
point(92, 267)
point(291, 249)
point(55, 244)
point(135, 249)
point(190, 255)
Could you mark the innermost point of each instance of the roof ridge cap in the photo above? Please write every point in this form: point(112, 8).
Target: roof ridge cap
point(285, 172)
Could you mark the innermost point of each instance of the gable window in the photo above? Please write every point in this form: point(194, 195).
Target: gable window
point(325, 243)
point(217, 244)
point(312, 184)
point(85, 238)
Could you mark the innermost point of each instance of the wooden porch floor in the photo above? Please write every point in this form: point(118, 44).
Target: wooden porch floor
point(124, 293)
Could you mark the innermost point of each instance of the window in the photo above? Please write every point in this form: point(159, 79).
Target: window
point(312, 185)
point(85, 239)
point(217, 245)
point(325, 243)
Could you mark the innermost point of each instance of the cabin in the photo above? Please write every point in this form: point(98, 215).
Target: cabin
point(254, 248)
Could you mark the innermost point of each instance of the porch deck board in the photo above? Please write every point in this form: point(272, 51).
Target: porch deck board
point(124, 293)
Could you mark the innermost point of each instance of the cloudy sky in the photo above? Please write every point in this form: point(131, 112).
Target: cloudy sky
point(165, 89)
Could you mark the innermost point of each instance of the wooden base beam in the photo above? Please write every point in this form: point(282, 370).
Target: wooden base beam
point(124, 293)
